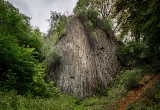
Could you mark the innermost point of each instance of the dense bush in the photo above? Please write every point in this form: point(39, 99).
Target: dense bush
point(12, 101)
point(141, 21)
point(130, 78)
point(91, 20)
point(133, 54)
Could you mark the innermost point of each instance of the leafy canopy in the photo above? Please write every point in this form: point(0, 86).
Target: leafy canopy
point(141, 19)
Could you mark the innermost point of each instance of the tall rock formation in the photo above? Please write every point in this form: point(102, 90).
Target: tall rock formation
point(88, 60)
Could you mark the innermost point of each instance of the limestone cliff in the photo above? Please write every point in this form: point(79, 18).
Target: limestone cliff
point(88, 60)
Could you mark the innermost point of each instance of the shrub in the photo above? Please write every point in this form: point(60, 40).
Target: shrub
point(58, 27)
point(130, 78)
point(53, 57)
point(91, 18)
point(12, 101)
point(133, 54)
point(149, 101)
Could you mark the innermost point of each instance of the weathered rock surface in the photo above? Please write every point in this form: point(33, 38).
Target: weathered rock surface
point(88, 61)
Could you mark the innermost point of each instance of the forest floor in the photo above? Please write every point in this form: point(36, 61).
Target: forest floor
point(147, 81)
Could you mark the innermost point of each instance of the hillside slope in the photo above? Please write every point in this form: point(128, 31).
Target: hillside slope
point(148, 81)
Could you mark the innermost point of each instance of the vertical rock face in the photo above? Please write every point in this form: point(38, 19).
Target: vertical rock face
point(88, 61)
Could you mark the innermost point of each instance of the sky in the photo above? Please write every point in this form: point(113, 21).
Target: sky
point(39, 10)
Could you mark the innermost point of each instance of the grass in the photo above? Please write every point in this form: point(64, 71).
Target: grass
point(12, 101)
point(107, 101)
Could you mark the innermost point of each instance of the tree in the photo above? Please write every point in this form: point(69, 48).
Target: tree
point(103, 7)
point(140, 20)
point(20, 55)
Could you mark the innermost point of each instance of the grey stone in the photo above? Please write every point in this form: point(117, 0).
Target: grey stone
point(88, 62)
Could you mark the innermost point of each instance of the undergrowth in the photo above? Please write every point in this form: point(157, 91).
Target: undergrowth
point(149, 101)
point(109, 100)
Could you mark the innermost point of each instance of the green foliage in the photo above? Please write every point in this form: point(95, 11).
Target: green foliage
point(130, 78)
point(37, 43)
point(91, 20)
point(149, 101)
point(60, 29)
point(12, 101)
point(53, 57)
point(106, 25)
point(141, 19)
point(18, 61)
point(58, 25)
point(21, 64)
point(133, 54)
point(103, 7)
point(120, 86)
point(81, 6)
point(114, 94)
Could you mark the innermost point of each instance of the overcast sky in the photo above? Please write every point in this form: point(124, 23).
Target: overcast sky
point(39, 10)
